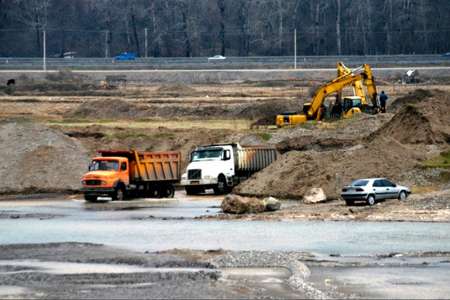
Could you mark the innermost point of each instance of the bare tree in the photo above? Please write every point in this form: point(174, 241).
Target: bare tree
point(33, 14)
point(221, 6)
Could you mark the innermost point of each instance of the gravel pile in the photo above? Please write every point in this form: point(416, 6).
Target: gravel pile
point(36, 158)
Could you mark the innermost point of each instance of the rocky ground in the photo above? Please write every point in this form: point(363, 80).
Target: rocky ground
point(92, 271)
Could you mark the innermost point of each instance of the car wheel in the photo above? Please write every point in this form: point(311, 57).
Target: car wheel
point(402, 196)
point(371, 200)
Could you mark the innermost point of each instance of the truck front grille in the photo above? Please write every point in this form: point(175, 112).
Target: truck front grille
point(194, 174)
point(93, 182)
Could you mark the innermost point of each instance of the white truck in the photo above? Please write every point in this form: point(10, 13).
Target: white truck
point(222, 166)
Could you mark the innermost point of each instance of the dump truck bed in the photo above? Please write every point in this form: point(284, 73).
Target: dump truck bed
point(151, 166)
point(253, 159)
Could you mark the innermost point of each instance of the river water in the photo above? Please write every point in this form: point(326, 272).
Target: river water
point(152, 226)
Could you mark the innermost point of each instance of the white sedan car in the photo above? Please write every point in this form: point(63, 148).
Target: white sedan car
point(371, 190)
point(217, 57)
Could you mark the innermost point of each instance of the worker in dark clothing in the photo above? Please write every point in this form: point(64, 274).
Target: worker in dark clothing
point(383, 100)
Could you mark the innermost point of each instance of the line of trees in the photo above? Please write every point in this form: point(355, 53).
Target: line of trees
point(99, 28)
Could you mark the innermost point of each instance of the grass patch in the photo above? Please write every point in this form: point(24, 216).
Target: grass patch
point(423, 189)
point(265, 136)
point(441, 161)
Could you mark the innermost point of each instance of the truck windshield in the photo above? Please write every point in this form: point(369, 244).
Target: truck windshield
point(210, 154)
point(104, 165)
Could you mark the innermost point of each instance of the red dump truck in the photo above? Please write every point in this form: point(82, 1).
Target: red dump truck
point(128, 173)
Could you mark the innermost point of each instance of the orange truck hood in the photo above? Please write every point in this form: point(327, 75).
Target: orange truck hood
point(100, 175)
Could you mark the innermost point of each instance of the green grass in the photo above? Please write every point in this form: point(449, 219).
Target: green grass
point(265, 136)
point(441, 161)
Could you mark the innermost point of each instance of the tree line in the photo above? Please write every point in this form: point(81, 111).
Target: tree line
point(169, 28)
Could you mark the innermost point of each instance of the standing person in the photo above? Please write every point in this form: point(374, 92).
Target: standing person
point(383, 100)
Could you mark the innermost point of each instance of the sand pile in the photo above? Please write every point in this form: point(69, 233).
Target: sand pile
point(107, 109)
point(176, 88)
point(296, 172)
point(119, 109)
point(414, 97)
point(424, 119)
point(36, 158)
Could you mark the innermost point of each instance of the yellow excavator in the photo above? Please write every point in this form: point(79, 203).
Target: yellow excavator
point(357, 78)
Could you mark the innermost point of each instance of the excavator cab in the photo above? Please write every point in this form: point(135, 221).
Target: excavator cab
point(351, 105)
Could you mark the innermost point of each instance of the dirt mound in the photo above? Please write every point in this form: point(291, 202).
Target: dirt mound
point(414, 97)
point(119, 109)
point(297, 172)
point(425, 122)
point(107, 109)
point(176, 88)
point(36, 158)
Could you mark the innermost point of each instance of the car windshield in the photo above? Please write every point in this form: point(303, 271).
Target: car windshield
point(360, 183)
point(104, 165)
point(210, 154)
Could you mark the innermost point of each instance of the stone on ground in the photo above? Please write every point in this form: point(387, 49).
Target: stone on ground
point(315, 195)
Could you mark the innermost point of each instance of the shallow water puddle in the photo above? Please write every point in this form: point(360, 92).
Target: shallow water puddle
point(52, 267)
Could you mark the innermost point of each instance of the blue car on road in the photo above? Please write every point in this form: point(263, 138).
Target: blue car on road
point(125, 56)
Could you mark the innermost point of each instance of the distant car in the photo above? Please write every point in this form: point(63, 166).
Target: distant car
point(217, 57)
point(371, 190)
point(69, 55)
point(446, 54)
point(125, 56)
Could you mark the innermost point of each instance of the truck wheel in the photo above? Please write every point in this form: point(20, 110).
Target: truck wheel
point(169, 191)
point(119, 194)
point(90, 198)
point(192, 190)
point(349, 202)
point(221, 187)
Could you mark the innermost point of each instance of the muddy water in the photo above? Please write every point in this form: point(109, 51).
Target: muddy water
point(154, 225)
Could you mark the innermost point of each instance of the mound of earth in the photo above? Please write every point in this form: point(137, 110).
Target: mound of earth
point(36, 158)
point(107, 109)
point(414, 97)
point(427, 121)
point(297, 172)
point(119, 109)
point(176, 88)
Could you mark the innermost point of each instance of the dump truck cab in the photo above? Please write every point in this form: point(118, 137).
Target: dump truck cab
point(107, 176)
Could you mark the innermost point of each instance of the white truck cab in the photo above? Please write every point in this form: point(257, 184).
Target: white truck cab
point(222, 166)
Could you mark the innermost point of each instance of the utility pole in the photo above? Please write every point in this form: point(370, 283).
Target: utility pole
point(44, 50)
point(106, 43)
point(295, 48)
point(146, 42)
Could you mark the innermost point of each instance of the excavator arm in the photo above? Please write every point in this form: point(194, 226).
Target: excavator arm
point(357, 85)
point(357, 78)
point(336, 85)
point(369, 82)
point(332, 87)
